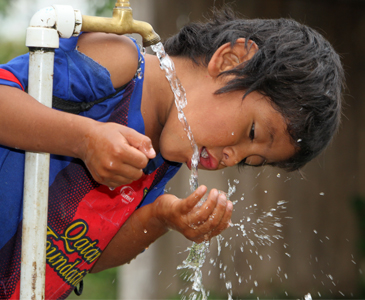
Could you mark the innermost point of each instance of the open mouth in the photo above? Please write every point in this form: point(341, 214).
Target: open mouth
point(206, 161)
point(204, 153)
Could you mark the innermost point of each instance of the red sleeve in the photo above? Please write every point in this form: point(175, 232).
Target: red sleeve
point(4, 74)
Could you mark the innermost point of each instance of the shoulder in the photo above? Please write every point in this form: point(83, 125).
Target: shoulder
point(118, 54)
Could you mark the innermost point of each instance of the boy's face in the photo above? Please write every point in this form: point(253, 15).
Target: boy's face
point(227, 131)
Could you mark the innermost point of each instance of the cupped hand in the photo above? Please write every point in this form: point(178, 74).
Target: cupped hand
point(115, 154)
point(197, 222)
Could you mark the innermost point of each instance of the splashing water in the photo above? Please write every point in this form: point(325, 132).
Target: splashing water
point(308, 297)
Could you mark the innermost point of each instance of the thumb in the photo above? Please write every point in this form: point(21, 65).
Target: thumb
point(140, 142)
point(193, 199)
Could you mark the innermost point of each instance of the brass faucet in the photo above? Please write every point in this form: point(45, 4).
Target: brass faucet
point(121, 23)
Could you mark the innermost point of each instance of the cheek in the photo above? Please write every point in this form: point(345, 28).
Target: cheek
point(216, 133)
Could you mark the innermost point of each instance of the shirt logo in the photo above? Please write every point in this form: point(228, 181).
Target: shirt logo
point(127, 194)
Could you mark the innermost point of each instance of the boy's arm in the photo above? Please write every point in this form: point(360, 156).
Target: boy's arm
point(148, 223)
point(114, 154)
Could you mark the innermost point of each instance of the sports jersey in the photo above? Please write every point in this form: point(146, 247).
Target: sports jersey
point(83, 216)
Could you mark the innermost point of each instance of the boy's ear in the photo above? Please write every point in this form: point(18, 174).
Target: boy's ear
point(226, 57)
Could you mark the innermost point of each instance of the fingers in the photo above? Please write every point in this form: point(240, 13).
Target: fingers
point(191, 201)
point(116, 155)
point(196, 221)
point(213, 216)
point(132, 157)
point(116, 180)
point(224, 220)
point(140, 142)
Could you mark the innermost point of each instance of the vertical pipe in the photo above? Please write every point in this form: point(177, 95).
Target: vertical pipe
point(46, 27)
point(36, 182)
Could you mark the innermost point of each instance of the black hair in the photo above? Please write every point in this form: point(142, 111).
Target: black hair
point(295, 67)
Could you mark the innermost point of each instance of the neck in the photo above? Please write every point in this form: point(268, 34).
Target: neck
point(157, 99)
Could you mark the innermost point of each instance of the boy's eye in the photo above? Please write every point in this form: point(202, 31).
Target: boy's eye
point(252, 132)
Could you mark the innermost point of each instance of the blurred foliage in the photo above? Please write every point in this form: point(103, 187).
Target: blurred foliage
point(101, 285)
point(4, 6)
point(102, 7)
point(11, 49)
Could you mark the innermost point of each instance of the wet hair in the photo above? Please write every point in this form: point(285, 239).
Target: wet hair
point(295, 67)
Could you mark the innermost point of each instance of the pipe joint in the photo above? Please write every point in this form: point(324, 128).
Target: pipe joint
point(50, 23)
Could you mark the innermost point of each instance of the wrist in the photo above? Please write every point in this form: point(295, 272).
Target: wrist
point(159, 211)
point(85, 129)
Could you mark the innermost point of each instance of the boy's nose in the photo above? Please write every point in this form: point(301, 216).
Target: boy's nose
point(230, 157)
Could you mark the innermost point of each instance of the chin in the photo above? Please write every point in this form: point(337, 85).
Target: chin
point(171, 157)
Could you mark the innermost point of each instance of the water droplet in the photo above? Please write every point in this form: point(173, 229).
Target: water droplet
point(308, 297)
point(228, 285)
point(145, 231)
point(299, 140)
point(321, 193)
point(143, 50)
point(278, 175)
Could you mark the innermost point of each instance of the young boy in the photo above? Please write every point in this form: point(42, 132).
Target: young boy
point(259, 92)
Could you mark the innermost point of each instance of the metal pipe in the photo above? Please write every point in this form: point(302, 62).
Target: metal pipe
point(121, 23)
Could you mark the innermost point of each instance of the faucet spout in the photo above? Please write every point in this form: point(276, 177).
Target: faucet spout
point(122, 22)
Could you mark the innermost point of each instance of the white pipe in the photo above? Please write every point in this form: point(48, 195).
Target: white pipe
point(42, 37)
